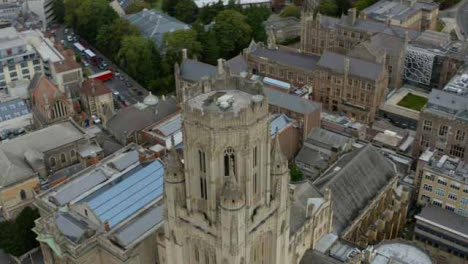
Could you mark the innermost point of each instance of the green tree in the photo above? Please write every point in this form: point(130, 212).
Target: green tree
point(296, 173)
point(327, 7)
point(210, 53)
point(137, 6)
point(232, 31)
point(186, 10)
point(256, 15)
point(208, 13)
point(59, 10)
point(88, 16)
point(109, 38)
point(178, 40)
point(16, 237)
point(169, 6)
point(343, 6)
point(361, 4)
point(140, 59)
point(291, 11)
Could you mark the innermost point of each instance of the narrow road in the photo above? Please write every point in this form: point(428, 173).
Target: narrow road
point(462, 17)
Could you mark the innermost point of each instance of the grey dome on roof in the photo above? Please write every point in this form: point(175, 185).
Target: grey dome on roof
point(151, 99)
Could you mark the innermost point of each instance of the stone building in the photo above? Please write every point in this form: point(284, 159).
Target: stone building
point(97, 99)
point(32, 157)
point(368, 204)
point(413, 14)
point(49, 104)
point(443, 234)
point(442, 181)
point(110, 212)
point(228, 202)
point(443, 124)
point(351, 86)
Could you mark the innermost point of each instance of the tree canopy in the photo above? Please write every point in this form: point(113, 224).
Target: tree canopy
point(233, 32)
point(296, 173)
point(109, 38)
point(59, 10)
point(16, 237)
point(186, 10)
point(291, 11)
point(137, 6)
point(88, 16)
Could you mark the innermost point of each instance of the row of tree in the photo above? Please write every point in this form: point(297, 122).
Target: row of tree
point(218, 31)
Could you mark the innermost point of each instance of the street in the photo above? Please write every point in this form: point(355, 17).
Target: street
point(131, 95)
point(462, 17)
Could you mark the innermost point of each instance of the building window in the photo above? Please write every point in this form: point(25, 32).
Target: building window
point(460, 136)
point(452, 196)
point(255, 157)
point(437, 203)
point(450, 208)
point(443, 130)
point(271, 70)
point(63, 159)
point(425, 198)
point(455, 186)
point(427, 125)
point(442, 181)
point(229, 161)
point(429, 177)
point(52, 161)
point(290, 76)
point(464, 201)
point(12, 67)
point(427, 187)
point(13, 74)
point(23, 195)
point(462, 212)
point(465, 190)
point(72, 153)
point(457, 151)
point(202, 161)
point(440, 192)
point(255, 183)
point(203, 188)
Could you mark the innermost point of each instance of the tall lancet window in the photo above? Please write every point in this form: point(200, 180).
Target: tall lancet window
point(229, 157)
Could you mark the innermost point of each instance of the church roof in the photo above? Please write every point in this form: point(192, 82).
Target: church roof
point(357, 67)
point(93, 87)
point(354, 181)
point(290, 102)
point(45, 92)
point(195, 70)
point(288, 57)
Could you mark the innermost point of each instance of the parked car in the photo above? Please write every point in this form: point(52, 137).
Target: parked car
point(128, 84)
point(69, 38)
point(96, 120)
point(66, 30)
point(121, 77)
point(85, 63)
point(116, 73)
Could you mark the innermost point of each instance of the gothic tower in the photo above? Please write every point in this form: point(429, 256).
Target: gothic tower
point(227, 202)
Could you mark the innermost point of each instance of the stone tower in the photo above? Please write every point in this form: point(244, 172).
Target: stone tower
point(227, 202)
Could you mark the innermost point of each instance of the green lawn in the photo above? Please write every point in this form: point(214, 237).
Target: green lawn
point(413, 101)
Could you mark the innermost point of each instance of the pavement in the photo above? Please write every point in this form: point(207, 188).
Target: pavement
point(462, 17)
point(131, 95)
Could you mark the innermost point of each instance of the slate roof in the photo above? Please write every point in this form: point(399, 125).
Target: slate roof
point(355, 180)
point(137, 227)
point(447, 104)
point(13, 164)
point(357, 67)
point(93, 87)
point(302, 193)
point(326, 139)
point(12, 109)
point(131, 119)
point(154, 24)
point(278, 123)
point(444, 218)
point(290, 102)
point(195, 70)
point(237, 64)
point(72, 228)
point(315, 257)
point(287, 57)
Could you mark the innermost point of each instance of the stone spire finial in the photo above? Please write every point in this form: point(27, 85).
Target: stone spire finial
point(277, 157)
point(271, 41)
point(233, 197)
point(174, 166)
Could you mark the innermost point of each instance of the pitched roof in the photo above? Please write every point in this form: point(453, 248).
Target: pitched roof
point(357, 67)
point(66, 65)
point(93, 87)
point(326, 139)
point(237, 64)
point(13, 108)
point(355, 180)
point(290, 102)
point(13, 151)
point(195, 70)
point(303, 192)
point(287, 57)
point(45, 92)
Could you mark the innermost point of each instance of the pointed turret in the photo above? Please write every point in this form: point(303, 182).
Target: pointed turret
point(174, 168)
point(278, 162)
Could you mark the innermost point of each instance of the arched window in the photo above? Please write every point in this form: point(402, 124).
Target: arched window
point(229, 157)
point(52, 162)
point(72, 153)
point(201, 157)
point(23, 195)
point(63, 159)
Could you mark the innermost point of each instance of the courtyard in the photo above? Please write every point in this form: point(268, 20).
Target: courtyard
point(413, 101)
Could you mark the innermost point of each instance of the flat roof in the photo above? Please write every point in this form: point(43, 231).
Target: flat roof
point(444, 219)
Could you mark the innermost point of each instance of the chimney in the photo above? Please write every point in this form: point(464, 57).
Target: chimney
point(346, 66)
point(327, 194)
point(352, 16)
point(184, 54)
point(106, 226)
point(220, 66)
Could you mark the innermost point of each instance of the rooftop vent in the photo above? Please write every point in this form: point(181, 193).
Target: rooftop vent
point(225, 101)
